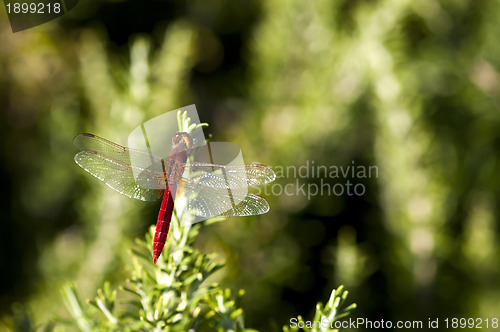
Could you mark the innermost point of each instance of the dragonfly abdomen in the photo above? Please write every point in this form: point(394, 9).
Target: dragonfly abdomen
point(163, 223)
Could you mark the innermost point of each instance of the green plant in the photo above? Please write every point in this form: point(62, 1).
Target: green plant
point(169, 296)
point(174, 295)
point(330, 312)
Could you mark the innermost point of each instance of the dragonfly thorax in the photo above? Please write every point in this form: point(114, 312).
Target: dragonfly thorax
point(174, 169)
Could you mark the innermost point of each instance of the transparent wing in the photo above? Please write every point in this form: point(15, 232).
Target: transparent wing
point(210, 202)
point(231, 176)
point(118, 175)
point(103, 147)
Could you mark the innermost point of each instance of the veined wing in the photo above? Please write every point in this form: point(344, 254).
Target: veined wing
point(231, 176)
point(209, 202)
point(93, 143)
point(119, 176)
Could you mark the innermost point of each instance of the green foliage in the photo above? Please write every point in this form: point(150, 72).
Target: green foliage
point(167, 297)
point(410, 87)
point(174, 295)
point(19, 320)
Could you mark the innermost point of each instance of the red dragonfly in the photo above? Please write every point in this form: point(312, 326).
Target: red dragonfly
point(208, 188)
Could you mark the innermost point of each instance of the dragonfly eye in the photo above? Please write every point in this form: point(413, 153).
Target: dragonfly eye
point(182, 137)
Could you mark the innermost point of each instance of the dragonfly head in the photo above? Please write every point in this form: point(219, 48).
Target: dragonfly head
point(182, 139)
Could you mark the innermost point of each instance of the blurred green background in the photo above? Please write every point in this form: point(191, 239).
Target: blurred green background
point(411, 87)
